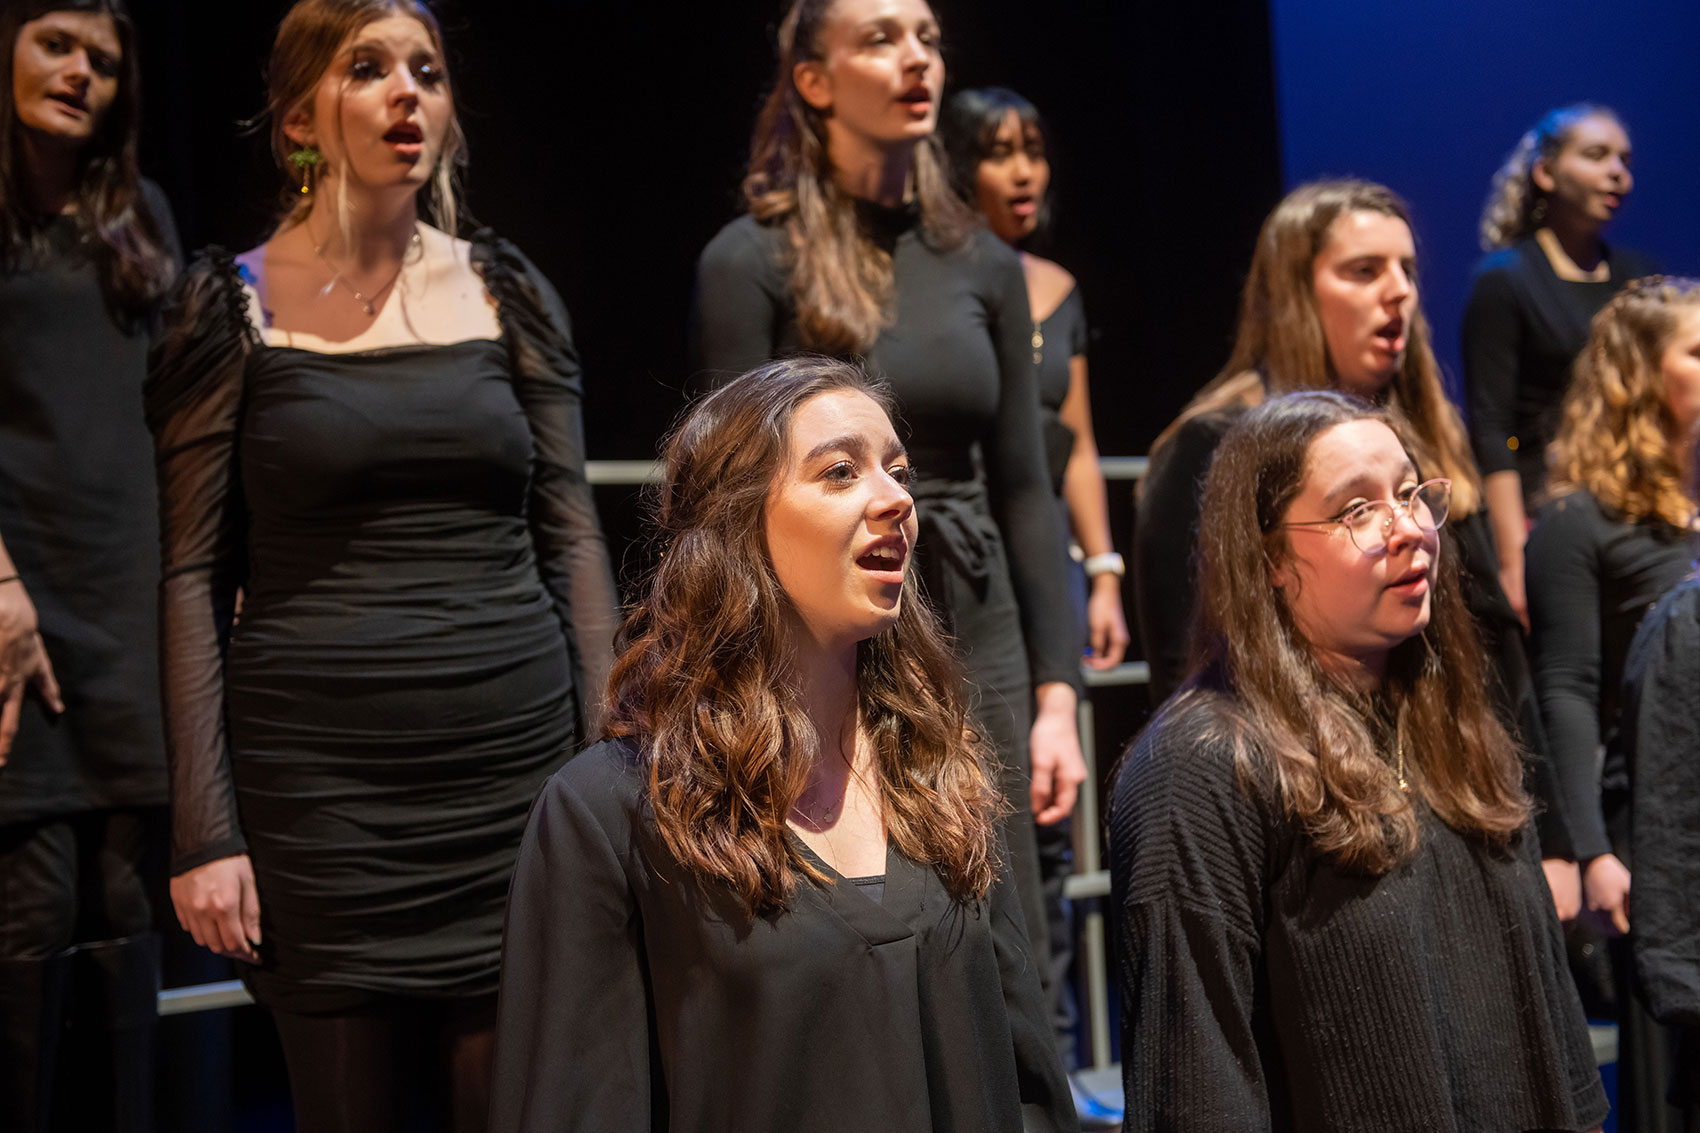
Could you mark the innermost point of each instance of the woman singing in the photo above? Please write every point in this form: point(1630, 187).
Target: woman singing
point(1332, 904)
point(372, 430)
point(1546, 273)
point(777, 900)
point(855, 244)
point(87, 249)
point(1616, 534)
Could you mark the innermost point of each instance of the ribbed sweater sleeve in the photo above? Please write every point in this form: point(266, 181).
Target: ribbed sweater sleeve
point(1188, 847)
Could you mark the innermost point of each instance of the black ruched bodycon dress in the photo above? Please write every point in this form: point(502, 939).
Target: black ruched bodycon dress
point(424, 589)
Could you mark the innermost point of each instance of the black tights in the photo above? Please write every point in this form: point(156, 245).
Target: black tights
point(401, 1065)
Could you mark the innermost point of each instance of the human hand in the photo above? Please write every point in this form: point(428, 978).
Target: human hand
point(1106, 625)
point(1564, 880)
point(1511, 581)
point(23, 663)
point(219, 906)
point(1054, 750)
point(1605, 885)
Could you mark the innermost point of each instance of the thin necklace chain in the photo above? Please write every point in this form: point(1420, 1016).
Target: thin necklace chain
point(359, 297)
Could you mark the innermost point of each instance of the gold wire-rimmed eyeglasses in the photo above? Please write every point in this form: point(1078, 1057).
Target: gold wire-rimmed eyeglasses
point(1371, 524)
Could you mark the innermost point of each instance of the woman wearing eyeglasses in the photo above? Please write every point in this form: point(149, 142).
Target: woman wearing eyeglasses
point(1331, 301)
point(1331, 896)
point(1615, 535)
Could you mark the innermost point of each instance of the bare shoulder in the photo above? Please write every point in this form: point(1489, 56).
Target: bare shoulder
point(1048, 284)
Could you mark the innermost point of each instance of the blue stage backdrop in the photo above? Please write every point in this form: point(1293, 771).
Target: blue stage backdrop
point(1429, 98)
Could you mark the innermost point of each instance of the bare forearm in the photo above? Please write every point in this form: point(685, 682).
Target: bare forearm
point(1087, 500)
point(1504, 493)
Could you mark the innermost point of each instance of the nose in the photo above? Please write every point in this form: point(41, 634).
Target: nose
point(890, 500)
point(1405, 529)
point(405, 87)
point(1021, 166)
point(78, 68)
point(1400, 285)
point(916, 57)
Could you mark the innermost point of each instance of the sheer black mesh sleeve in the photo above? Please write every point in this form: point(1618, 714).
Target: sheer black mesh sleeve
point(193, 400)
point(571, 552)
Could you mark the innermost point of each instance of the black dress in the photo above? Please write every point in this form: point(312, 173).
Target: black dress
point(959, 358)
point(1058, 340)
point(636, 998)
point(1523, 327)
point(1660, 734)
point(426, 600)
point(78, 514)
point(1266, 987)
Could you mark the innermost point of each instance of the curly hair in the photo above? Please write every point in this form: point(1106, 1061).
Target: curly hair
point(1280, 347)
point(699, 679)
point(1616, 435)
point(840, 279)
point(1513, 201)
point(1322, 744)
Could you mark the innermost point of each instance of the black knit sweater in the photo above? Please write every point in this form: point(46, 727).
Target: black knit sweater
point(1265, 987)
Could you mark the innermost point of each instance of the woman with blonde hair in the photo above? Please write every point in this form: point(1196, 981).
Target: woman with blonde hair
point(1332, 908)
point(1614, 536)
point(371, 428)
point(1546, 273)
point(777, 899)
point(855, 244)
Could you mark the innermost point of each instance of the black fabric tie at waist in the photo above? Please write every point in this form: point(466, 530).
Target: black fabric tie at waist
point(956, 524)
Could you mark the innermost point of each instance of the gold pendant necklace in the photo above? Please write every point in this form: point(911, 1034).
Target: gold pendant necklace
point(337, 276)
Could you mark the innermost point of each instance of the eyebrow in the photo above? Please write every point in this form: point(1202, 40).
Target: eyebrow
point(1351, 487)
point(852, 444)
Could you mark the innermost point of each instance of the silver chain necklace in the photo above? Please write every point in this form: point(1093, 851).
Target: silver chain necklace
point(337, 276)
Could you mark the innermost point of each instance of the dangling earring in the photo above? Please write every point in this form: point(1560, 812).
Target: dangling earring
point(305, 160)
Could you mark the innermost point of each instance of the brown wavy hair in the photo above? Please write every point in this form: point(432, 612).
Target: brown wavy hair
point(1616, 435)
point(125, 239)
point(1515, 205)
point(305, 47)
point(1328, 748)
point(841, 280)
point(1280, 347)
point(700, 677)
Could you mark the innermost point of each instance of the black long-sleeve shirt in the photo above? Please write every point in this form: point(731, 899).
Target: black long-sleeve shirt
point(1591, 578)
point(958, 355)
point(1265, 987)
point(635, 997)
point(1523, 327)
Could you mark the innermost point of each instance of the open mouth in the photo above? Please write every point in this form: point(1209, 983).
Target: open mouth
point(405, 134)
point(80, 105)
point(1024, 204)
point(885, 559)
point(1390, 336)
point(917, 98)
point(1413, 583)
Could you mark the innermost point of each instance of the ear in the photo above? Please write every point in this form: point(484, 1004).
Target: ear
point(813, 84)
point(1542, 176)
point(1280, 570)
point(298, 127)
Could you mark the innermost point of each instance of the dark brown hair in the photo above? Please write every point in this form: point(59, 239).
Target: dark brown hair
point(840, 279)
point(1280, 346)
point(1326, 747)
point(1516, 206)
point(700, 676)
point(124, 236)
point(305, 47)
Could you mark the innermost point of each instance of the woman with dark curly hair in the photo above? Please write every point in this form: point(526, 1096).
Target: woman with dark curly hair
point(1546, 273)
point(1615, 535)
point(87, 248)
point(777, 898)
point(1331, 896)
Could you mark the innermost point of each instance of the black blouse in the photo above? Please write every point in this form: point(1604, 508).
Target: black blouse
point(194, 401)
point(1266, 987)
point(1523, 327)
point(636, 998)
point(959, 358)
point(1591, 578)
point(78, 514)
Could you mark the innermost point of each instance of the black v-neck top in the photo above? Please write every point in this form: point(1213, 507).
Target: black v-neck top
point(634, 997)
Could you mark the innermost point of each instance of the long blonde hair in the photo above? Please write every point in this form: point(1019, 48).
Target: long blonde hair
point(841, 280)
point(1614, 438)
point(1280, 346)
